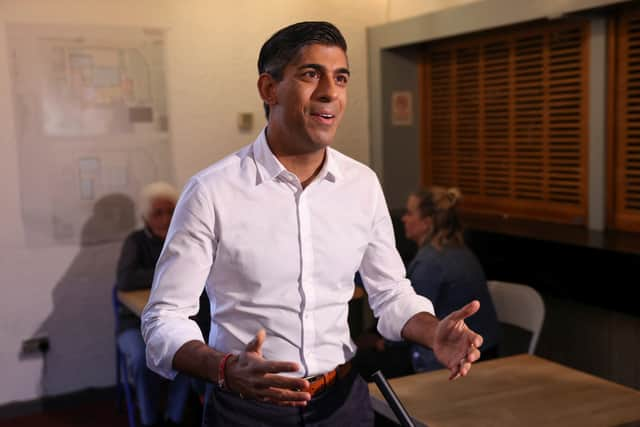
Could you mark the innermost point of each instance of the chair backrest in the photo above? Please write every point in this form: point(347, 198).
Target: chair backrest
point(518, 305)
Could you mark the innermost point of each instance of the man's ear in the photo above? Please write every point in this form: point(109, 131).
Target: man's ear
point(267, 86)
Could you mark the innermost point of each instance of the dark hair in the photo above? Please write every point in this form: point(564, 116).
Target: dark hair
point(286, 43)
point(441, 205)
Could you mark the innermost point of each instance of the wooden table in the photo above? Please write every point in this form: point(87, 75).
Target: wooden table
point(518, 391)
point(134, 300)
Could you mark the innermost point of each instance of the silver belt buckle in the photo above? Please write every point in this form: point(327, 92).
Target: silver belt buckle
point(313, 377)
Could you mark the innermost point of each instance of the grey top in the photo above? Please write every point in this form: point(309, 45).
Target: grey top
point(451, 278)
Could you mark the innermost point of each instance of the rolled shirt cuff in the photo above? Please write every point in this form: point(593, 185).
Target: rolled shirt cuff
point(162, 347)
point(392, 321)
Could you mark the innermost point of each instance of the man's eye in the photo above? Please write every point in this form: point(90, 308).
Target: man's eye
point(342, 79)
point(313, 74)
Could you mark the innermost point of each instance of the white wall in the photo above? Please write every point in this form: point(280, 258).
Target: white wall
point(212, 64)
point(212, 51)
point(402, 9)
point(62, 291)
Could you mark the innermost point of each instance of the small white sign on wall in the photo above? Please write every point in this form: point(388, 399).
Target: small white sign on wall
point(401, 108)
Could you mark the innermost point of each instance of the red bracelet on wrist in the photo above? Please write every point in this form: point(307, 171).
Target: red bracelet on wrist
point(222, 382)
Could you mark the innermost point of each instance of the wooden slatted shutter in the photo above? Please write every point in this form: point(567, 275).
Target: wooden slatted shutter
point(506, 120)
point(626, 164)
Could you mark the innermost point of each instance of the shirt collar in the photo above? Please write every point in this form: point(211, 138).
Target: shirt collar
point(330, 169)
point(269, 167)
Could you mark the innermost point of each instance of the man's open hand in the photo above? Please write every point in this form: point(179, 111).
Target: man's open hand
point(455, 345)
point(254, 377)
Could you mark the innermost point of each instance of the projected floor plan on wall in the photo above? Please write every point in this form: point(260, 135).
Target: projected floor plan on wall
point(91, 122)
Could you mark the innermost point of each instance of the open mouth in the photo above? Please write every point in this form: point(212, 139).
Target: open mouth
point(324, 117)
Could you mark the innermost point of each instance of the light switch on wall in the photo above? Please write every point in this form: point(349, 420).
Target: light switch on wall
point(245, 121)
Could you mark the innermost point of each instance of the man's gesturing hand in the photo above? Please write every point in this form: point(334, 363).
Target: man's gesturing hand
point(254, 377)
point(455, 345)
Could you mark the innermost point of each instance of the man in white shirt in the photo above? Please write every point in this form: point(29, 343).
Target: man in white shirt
point(276, 233)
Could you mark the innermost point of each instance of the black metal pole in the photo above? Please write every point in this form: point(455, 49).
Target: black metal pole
point(392, 399)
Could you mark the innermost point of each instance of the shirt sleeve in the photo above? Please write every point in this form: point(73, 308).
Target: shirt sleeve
point(391, 296)
point(131, 275)
point(180, 276)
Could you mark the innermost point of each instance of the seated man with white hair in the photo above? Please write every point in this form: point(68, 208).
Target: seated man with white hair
point(136, 266)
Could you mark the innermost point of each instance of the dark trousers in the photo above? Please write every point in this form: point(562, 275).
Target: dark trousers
point(345, 404)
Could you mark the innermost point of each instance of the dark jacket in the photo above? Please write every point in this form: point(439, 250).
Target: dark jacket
point(451, 278)
point(136, 265)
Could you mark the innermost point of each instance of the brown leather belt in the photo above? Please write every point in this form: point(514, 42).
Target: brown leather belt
point(321, 382)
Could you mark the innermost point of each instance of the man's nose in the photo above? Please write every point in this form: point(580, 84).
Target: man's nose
point(327, 89)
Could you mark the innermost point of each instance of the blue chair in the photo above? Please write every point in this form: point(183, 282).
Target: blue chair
point(122, 374)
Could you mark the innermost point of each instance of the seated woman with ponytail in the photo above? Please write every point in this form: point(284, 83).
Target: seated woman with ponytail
point(445, 270)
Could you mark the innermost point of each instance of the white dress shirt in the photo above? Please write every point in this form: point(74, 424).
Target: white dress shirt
point(276, 256)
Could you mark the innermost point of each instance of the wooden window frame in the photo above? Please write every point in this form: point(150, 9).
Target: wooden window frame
point(536, 210)
point(618, 216)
